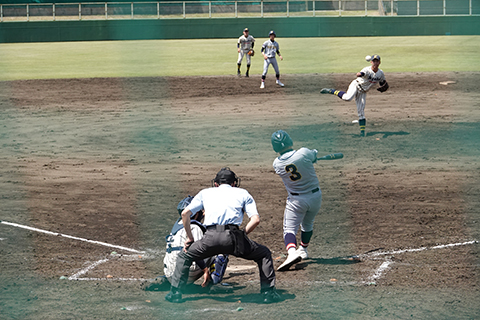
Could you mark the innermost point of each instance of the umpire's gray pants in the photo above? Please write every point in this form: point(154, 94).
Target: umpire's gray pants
point(215, 242)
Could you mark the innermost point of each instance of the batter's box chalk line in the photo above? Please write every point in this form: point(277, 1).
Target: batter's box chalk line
point(387, 264)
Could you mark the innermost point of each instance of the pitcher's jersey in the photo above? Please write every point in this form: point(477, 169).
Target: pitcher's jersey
point(296, 170)
point(370, 78)
point(270, 48)
point(246, 42)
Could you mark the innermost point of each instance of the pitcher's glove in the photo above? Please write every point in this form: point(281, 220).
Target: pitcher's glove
point(251, 52)
point(383, 86)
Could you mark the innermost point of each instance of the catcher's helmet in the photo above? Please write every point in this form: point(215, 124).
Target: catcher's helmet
point(184, 203)
point(225, 175)
point(272, 32)
point(281, 140)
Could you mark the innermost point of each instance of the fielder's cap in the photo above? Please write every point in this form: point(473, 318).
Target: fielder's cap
point(271, 32)
point(245, 30)
point(376, 57)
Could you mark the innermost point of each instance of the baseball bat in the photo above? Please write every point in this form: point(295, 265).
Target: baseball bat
point(332, 156)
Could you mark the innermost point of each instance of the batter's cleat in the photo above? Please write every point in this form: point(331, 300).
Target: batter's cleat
point(280, 84)
point(302, 252)
point(271, 296)
point(290, 261)
point(174, 295)
point(262, 86)
point(326, 90)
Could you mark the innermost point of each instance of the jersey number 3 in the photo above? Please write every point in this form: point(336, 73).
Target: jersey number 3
point(294, 174)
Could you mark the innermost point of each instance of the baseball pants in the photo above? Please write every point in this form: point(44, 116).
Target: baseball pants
point(300, 211)
point(270, 61)
point(247, 57)
point(360, 98)
point(216, 242)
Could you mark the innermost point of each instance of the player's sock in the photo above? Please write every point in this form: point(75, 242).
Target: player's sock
point(290, 242)
point(362, 123)
point(338, 93)
point(305, 238)
point(238, 68)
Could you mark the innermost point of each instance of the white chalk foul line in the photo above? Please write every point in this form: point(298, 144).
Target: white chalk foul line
point(70, 237)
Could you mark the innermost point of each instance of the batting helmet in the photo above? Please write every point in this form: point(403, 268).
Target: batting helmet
point(272, 32)
point(225, 175)
point(281, 140)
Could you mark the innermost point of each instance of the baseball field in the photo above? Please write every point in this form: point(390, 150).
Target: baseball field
point(101, 140)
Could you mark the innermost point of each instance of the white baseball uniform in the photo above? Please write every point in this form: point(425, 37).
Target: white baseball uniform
point(270, 48)
point(304, 199)
point(359, 87)
point(245, 44)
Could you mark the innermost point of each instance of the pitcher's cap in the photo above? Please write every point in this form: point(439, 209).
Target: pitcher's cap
point(376, 56)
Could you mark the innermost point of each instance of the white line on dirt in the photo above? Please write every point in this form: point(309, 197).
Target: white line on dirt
point(378, 273)
point(83, 271)
point(70, 237)
point(443, 246)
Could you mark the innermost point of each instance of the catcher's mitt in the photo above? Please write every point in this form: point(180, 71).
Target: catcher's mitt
point(384, 86)
point(251, 52)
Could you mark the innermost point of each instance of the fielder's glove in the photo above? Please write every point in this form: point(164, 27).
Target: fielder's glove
point(383, 86)
point(251, 52)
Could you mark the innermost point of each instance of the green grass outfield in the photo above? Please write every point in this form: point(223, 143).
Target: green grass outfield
point(218, 57)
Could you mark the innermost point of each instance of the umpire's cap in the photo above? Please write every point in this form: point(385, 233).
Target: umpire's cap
point(272, 32)
point(281, 140)
point(375, 57)
point(225, 175)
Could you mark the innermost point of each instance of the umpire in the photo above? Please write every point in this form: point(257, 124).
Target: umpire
point(224, 205)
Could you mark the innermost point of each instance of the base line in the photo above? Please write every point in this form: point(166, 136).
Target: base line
point(70, 237)
point(443, 246)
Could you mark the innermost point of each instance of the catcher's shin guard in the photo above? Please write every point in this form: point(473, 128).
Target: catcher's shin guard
point(362, 124)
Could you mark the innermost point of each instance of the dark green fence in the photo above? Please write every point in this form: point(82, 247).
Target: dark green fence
point(229, 28)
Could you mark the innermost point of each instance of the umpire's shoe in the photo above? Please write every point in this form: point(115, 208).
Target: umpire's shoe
point(271, 296)
point(174, 295)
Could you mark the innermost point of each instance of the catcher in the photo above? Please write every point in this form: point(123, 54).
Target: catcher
point(212, 269)
point(245, 48)
point(358, 88)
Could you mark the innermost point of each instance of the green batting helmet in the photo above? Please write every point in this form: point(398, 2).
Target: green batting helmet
point(281, 140)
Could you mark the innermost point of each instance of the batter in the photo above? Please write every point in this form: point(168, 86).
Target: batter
point(358, 88)
point(295, 167)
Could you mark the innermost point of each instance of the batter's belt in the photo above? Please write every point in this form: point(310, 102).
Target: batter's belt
point(313, 191)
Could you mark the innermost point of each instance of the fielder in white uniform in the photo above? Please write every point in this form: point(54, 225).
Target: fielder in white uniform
point(358, 88)
point(270, 49)
point(304, 200)
point(244, 44)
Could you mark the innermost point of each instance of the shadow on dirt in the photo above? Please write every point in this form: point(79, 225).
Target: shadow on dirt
point(387, 134)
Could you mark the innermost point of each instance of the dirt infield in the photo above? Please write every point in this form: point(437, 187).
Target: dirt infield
point(108, 160)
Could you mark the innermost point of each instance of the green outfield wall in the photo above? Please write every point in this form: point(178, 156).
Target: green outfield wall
point(48, 31)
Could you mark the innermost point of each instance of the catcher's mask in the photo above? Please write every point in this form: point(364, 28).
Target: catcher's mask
point(225, 175)
point(184, 203)
point(281, 140)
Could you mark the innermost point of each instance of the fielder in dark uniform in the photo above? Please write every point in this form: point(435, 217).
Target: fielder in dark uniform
point(224, 205)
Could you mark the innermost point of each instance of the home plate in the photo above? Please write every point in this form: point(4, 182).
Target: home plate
point(447, 82)
point(240, 268)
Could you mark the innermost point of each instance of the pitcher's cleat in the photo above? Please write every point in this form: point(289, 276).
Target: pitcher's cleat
point(326, 90)
point(280, 84)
